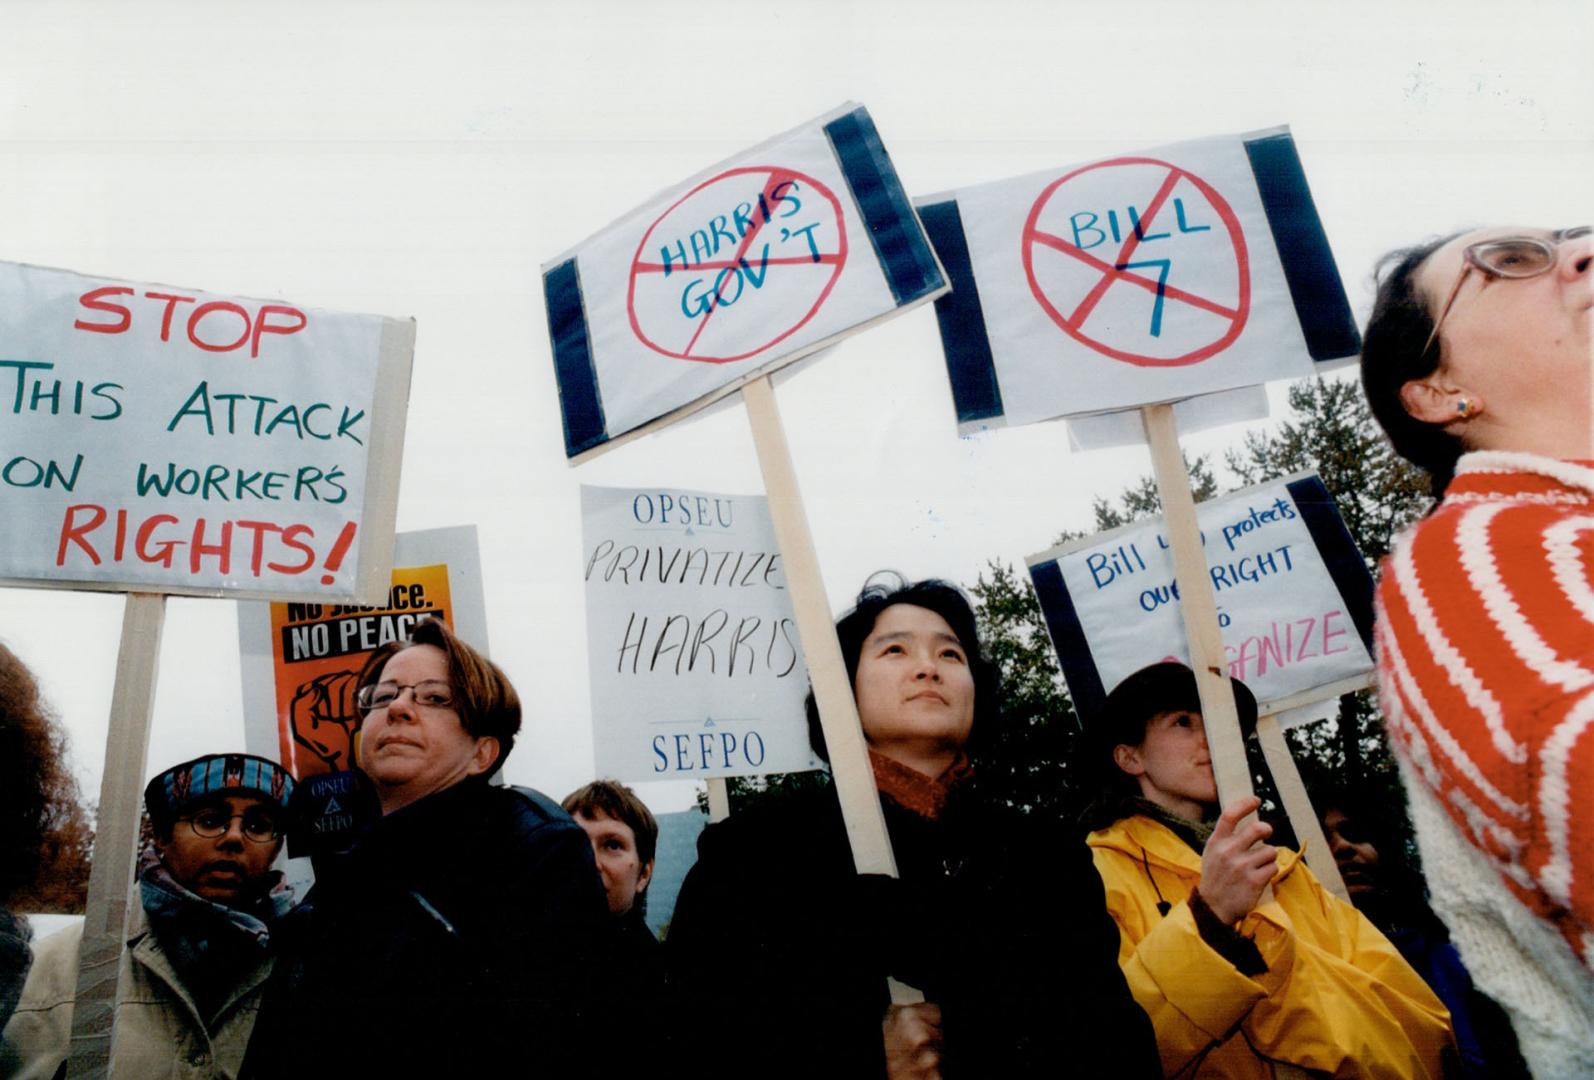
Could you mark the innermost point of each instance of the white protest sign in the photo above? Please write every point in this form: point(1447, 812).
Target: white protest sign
point(696, 666)
point(171, 440)
point(1142, 278)
point(1293, 595)
point(757, 261)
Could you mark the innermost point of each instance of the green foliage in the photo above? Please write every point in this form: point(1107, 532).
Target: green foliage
point(1028, 763)
point(775, 787)
point(1330, 431)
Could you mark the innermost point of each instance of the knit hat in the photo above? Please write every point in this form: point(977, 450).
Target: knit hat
point(181, 786)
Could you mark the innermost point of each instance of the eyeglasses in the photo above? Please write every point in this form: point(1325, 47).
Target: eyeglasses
point(258, 826)
point(1504, 257)
point(433, 693)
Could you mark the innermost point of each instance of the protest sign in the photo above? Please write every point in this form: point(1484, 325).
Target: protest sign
point(752, 264)
point(170, 440)
point(1294, 598)
point(697, 670)
point(300, 662)
point(1142, 278)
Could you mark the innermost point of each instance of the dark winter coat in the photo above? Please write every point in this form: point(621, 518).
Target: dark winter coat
point(459, 933)
point(778, 951)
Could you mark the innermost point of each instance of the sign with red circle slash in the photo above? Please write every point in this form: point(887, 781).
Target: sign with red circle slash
point(736, 265)
point(751, 265)
point(1157, 276)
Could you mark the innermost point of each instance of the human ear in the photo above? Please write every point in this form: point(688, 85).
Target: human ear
point(485, 754)
point(1127, 758)
point(644, 877)
point(1434, 401)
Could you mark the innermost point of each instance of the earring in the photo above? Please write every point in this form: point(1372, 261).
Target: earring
point(1464, 408)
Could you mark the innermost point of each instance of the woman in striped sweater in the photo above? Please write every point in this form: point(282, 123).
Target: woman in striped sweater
point(1477, 362)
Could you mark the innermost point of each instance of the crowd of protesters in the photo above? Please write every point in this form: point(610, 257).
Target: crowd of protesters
point(466, 925)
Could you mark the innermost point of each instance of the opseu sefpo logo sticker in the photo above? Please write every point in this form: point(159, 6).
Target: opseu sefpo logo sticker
point(738, 264)
point(1139, 260)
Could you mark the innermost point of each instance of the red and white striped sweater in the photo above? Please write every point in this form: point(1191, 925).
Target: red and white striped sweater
point(1486, 674)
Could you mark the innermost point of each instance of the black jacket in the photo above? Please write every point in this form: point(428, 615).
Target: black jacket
point(778, 951)
point(462, 931)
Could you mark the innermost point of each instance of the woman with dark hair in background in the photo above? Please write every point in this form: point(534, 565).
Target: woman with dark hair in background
point(1477, 362)
point(32, 782)
point(998, 920)
point(461, 930)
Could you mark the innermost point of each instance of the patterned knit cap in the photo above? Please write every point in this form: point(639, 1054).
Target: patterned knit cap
point(181, 786)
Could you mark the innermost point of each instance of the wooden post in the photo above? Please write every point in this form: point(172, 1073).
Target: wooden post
point(719, 799)
point(838, 712)
point(116, 836)
point(1199, 609)
point(1298, 806)
point(1197, 606)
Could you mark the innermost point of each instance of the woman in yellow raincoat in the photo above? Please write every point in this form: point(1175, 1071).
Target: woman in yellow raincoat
point(1233, 985)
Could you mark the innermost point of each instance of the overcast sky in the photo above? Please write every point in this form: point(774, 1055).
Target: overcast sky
point(423, 160)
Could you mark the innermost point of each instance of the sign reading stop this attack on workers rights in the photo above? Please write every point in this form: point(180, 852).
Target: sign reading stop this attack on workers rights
point(756, 262)
point(170, 440)
point(1142, 278)
point(1294, 597)
point(696, 667)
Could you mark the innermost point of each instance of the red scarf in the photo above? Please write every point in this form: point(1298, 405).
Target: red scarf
point(914, 791)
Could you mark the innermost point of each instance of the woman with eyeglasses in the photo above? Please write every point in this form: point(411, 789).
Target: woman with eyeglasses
point(1477, 362)
point(464, 928)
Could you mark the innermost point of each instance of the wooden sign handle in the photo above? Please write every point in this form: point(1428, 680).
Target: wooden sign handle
point(116, 838)
point(1298, 806)
point(719, 799)
point(1197, 606)
point(816, 629)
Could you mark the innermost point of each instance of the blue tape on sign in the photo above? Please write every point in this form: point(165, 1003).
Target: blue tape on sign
point(1068, 638)
point(1334, 542)
point(579, 399)
point(904, 253)
point(1315, 286)
point(969, 363)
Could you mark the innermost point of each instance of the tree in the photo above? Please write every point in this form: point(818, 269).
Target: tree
point(1331, 432)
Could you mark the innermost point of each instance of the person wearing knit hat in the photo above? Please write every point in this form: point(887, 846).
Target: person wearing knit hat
point(1233, 984)
point(199, 948)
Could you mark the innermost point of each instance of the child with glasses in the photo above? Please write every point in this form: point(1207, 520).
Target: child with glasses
point(1477, 363)
point(200, 946)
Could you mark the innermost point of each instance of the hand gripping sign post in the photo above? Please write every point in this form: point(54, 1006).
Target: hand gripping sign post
point(1134, 282)
point(707, 289)
point(696, 667)
point(163, 440)
point(1294, 611)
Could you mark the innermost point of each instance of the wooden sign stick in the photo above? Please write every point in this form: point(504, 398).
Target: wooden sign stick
point(116, 836)
point(1198, 606)
point(816, 629)
point(719, 799)
point(1298, 806)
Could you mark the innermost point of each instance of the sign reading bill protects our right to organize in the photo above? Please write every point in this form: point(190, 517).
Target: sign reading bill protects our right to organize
point(1142, 278)
point(696, 666)
point(1293, 593)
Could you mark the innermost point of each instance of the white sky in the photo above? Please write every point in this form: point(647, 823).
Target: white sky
point(423, 160)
